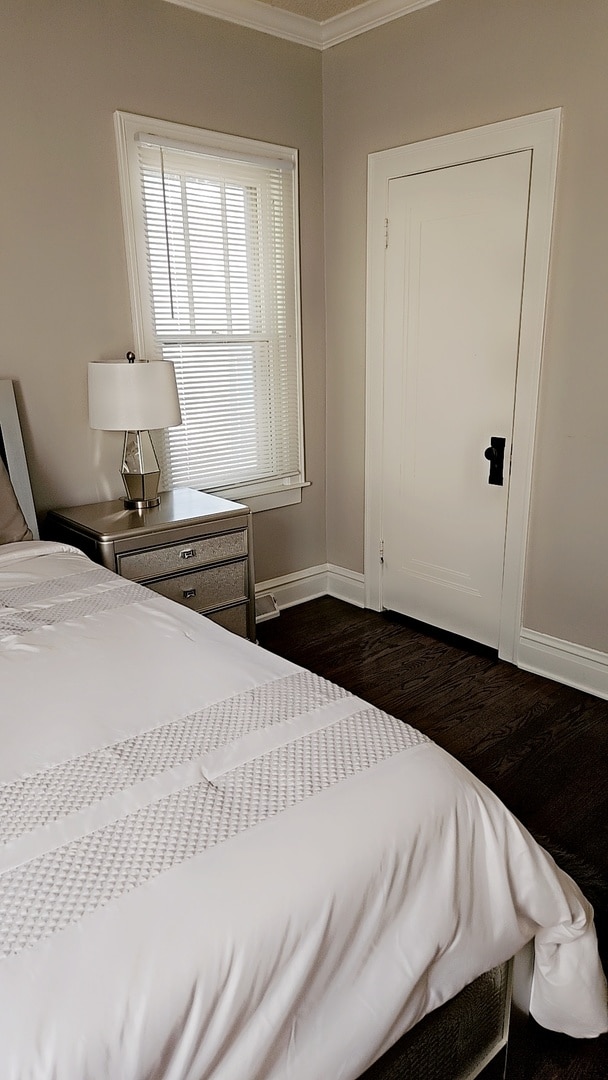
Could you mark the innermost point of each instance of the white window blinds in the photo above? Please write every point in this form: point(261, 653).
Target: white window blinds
point(215, 245)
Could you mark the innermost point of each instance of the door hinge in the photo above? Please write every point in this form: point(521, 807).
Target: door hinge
point(382, 551)
point(386, 232)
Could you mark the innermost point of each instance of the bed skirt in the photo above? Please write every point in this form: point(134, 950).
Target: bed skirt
point(462, 1039)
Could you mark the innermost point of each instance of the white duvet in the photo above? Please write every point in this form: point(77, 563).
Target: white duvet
point(216, 866)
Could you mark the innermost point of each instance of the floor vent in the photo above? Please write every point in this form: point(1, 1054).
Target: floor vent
point(266, 607)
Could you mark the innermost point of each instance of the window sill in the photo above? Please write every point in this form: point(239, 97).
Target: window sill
point(270, 500)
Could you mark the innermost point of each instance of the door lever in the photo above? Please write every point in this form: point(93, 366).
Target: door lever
point(495, 453)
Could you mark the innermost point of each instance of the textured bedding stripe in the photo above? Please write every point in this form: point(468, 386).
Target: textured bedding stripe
point(46, 893)
point(59, 600)
point(85, 831)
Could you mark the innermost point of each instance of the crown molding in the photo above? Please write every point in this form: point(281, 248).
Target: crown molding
point(317, 35)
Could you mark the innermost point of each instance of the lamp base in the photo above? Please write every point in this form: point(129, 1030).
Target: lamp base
point(141, 504)
point(140, 471)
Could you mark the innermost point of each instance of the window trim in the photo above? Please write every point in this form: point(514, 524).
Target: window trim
point(131, 127)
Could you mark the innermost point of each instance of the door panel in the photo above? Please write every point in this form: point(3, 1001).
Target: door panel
point(454, 278)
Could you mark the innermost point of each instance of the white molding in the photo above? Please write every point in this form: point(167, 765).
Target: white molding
point(324, 580)
point(288, 495)
point(298, 28)
point(346, 585)
point(257, 16)
point(539, 132)
point(296, 588)
point(564, 661)
point(366, 17)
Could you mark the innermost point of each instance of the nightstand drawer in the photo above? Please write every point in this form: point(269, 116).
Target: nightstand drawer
point(174, 558)
point(205, 589)
point(231, 618)
point(193, 547)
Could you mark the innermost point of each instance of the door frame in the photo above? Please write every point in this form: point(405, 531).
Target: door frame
point(538, 132)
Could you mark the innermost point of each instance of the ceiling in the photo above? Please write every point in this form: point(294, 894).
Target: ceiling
point(317, 23)
point(319, 10)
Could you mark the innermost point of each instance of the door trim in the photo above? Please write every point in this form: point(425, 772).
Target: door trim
point(540, 133)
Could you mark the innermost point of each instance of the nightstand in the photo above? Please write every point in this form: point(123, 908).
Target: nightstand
point(194, 548)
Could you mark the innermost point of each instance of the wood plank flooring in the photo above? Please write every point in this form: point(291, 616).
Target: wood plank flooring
point(542, 747)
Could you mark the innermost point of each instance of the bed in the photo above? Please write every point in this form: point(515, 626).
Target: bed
point(215, 865)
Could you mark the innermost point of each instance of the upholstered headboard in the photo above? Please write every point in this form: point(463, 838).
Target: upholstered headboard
point(13, 453)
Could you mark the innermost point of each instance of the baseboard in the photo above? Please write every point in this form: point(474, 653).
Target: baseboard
point(325, 580)
point(346, 585)
point(564, 661)
point(575, 665)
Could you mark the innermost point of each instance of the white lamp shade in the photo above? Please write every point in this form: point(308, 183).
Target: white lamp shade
point(136, 396)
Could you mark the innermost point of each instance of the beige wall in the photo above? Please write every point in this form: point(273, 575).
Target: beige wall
point(451, 66)
point(65, 67)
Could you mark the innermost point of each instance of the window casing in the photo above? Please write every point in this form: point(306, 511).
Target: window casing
point(211, 231)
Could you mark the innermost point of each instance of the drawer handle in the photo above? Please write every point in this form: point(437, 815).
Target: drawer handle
point(188, 594)
point(187, 553)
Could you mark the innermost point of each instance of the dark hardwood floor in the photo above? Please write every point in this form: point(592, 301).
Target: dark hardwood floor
point(542, 747)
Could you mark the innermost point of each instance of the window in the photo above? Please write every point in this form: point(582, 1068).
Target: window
point(211, 228)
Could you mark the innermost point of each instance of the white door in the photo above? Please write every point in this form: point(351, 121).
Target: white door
point(454, 280)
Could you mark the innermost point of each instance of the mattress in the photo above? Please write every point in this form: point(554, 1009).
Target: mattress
point(215, 865)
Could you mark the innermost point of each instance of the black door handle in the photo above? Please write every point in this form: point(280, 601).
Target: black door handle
point(495, 453)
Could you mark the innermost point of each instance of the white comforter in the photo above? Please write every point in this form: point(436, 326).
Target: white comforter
point(215, 865)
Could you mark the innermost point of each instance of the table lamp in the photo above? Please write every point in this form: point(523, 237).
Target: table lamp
point(135, 396)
